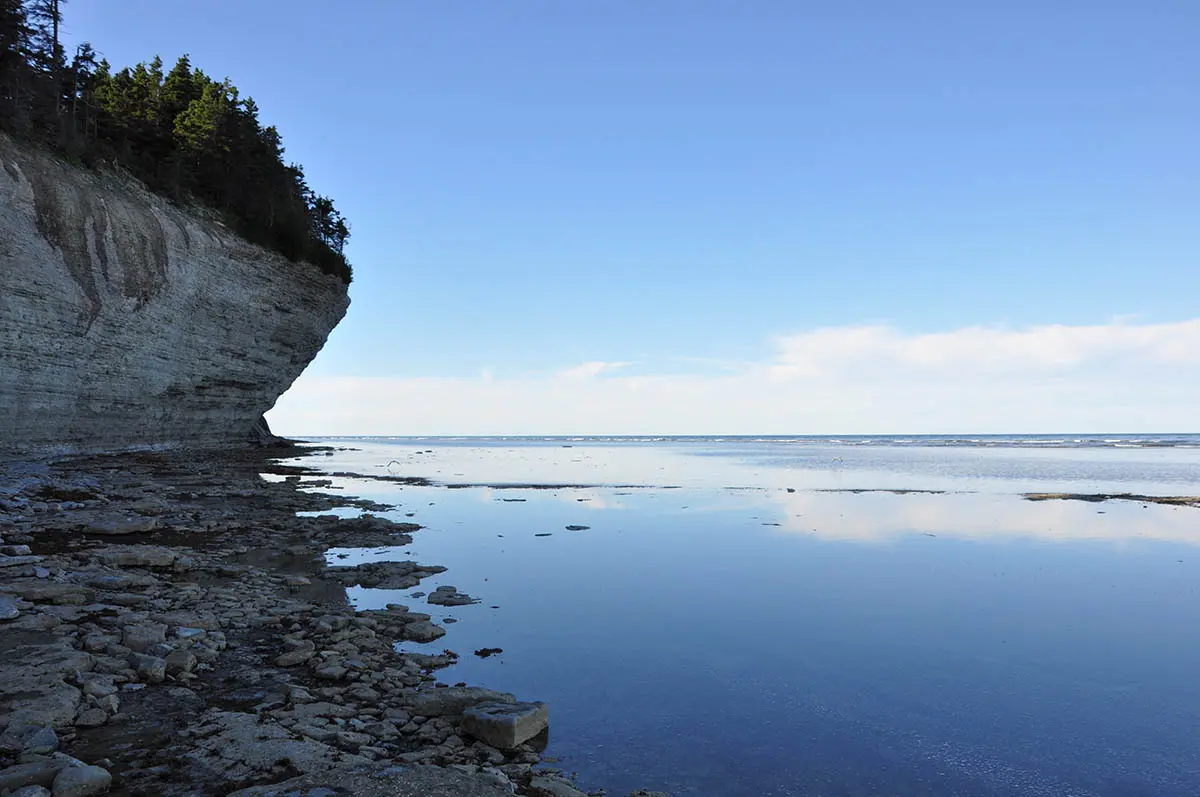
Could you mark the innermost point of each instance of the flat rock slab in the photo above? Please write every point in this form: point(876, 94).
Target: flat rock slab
point(454, 700)
point(120, 526)
point(142, 556)
point(506, 725)
point(236, 745)
point(384, 781)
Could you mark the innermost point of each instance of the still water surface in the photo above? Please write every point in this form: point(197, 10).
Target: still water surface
point(735, 621)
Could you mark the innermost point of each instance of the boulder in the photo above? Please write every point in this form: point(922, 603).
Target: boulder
point(506, 725)
point(35, 773)
point(8, 609)
point(81, 782)
point(31, 791)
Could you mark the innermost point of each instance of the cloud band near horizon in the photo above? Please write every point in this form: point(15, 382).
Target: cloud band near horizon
point(868, 379)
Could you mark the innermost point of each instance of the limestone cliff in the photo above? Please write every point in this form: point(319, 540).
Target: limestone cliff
point(128, 322)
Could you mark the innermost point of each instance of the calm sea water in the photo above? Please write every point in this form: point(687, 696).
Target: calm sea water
point(762, 616)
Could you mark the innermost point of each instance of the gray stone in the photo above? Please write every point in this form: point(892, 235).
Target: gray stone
point(386, 780)
point(16, 561)
point(454, 700)
point(292, 658)
point(35, 773)
point(31, 791)
point(139, 638)
point(8, 609)
point(180, 661)
point(92, 718)
point(506, 725)
point(42, 741)
point(423, 631)
point(150, 668)
point(551, 786)
point(120, 526)
point(81, 781)
point(243, 748)
point(449, 596)
point(15, 550)
point(138, 556)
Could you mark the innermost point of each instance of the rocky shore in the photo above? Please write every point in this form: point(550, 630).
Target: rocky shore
point(168, 626)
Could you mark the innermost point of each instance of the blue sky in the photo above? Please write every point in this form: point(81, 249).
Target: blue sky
point(681, 189)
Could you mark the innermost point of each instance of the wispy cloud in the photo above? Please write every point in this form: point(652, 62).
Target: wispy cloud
point(869, 379)
point(591, 369)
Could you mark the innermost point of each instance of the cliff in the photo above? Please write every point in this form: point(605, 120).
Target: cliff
point(127, 322)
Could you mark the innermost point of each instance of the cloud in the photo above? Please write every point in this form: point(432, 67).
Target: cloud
point(838, 380)
point(590, 369)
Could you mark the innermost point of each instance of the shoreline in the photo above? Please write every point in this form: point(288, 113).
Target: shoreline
point(171, 627)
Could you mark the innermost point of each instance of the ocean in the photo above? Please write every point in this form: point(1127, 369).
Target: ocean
point(816, 616)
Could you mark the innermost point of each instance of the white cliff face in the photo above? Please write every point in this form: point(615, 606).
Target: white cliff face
point(127, 322)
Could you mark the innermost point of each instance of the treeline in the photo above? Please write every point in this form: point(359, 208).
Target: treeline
point(184, 134)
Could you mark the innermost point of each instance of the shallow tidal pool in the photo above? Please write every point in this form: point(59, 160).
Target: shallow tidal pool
point(764, 618)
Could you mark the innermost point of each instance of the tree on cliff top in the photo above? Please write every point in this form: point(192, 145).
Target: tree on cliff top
point(184, 134)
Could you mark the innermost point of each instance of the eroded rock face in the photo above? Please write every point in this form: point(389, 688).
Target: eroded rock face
point(127, 322)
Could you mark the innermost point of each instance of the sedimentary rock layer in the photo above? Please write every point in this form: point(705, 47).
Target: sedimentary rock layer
point(129, 322)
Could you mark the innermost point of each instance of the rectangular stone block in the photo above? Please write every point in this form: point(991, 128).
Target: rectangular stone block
point(506, 725)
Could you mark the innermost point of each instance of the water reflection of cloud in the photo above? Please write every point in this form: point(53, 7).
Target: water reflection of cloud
point(879, 517)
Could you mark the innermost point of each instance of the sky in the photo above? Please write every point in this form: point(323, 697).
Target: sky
point(732, 216)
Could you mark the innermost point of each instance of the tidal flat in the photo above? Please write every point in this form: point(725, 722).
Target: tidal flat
point(807, 617)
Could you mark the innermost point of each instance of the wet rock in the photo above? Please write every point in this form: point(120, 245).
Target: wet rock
point(81, 781)
point(15, 550)
point(241, 748)
point(552, 786)
point(506, 725)
point(31, 791)
point(28, 739)
point(152, 556)
point(17, 561)
point(91, 718)
point(151, 669)
point(8, 609)
point(331, 672)
point(449, 596)
point(35, 773)
point(423, 631)
point(180, 661)
point(386, 780)
point(454, 700)
point(57, 594)
point(120, 526)
point(185, 632)
point(384, 575)
point(139, 638)
point(302, 651)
